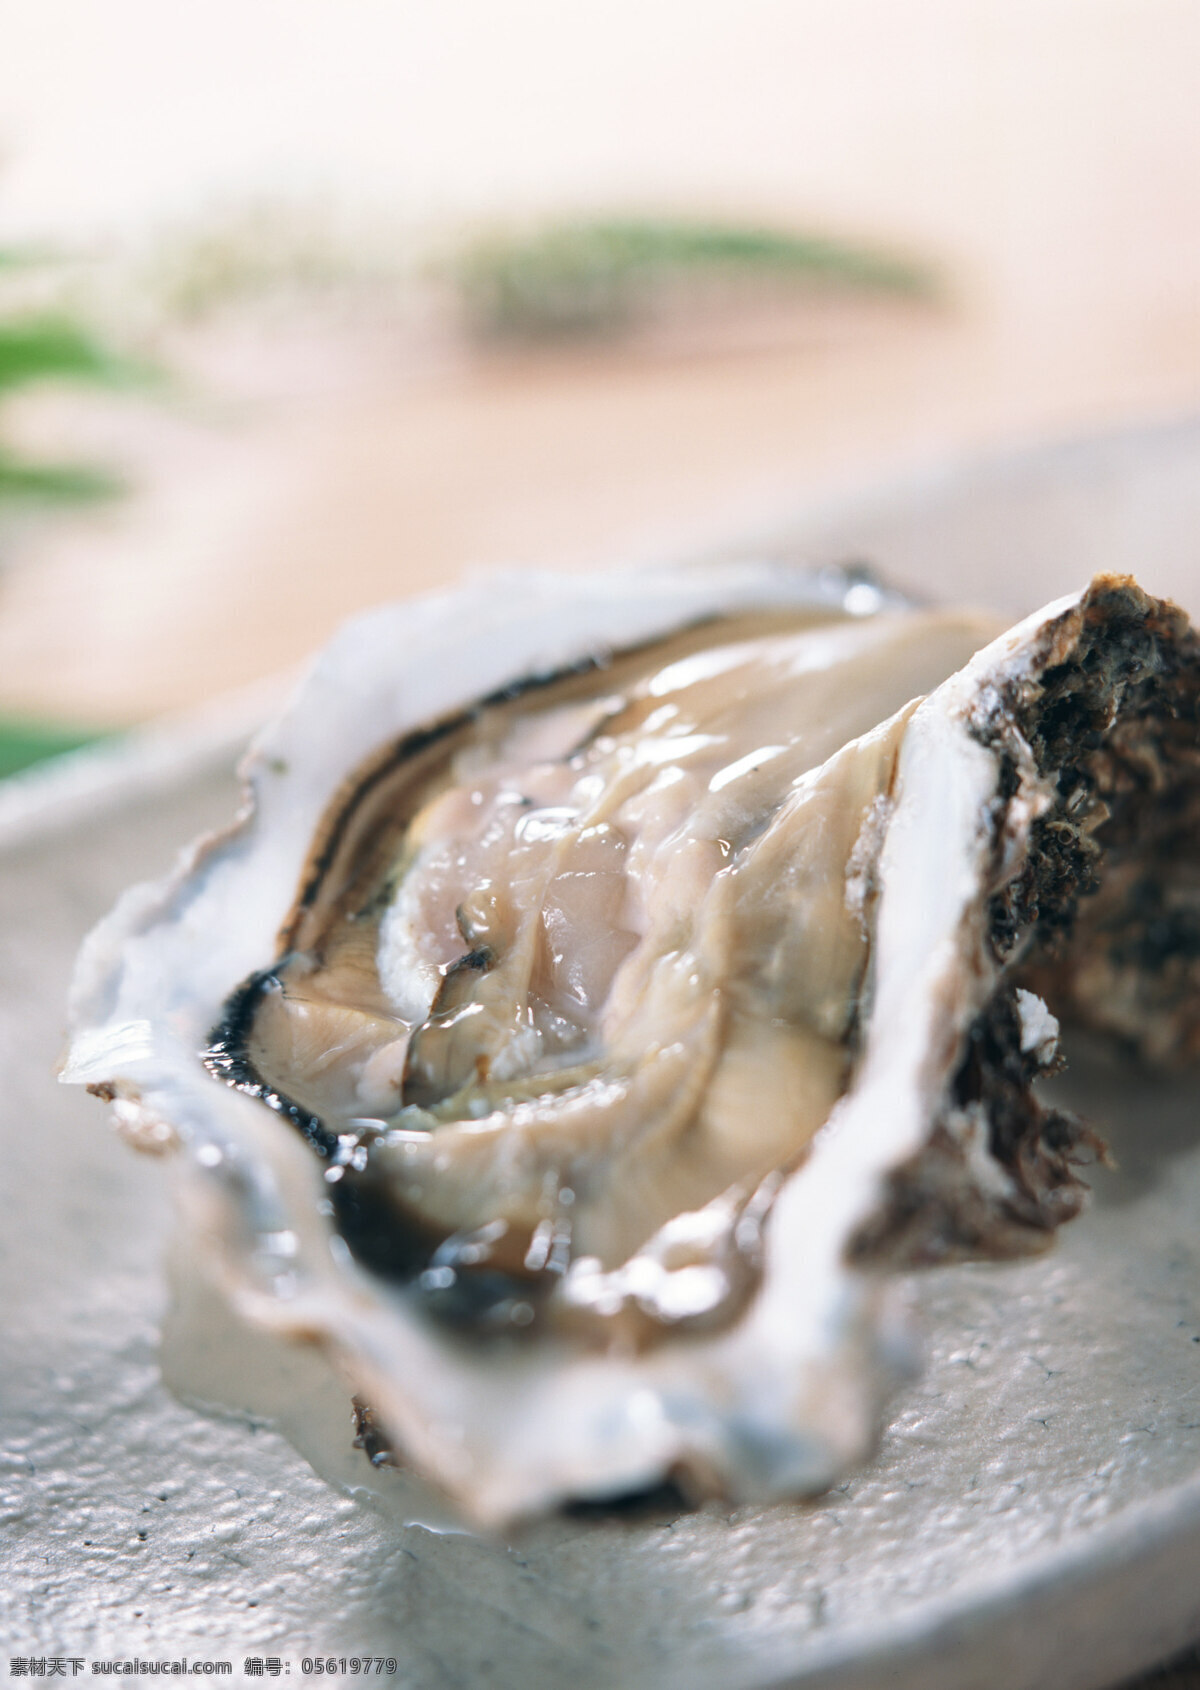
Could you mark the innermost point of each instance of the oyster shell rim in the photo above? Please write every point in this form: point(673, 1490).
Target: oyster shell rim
point(740, 1445)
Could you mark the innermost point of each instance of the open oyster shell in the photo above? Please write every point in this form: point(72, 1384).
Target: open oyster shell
point(609, 984)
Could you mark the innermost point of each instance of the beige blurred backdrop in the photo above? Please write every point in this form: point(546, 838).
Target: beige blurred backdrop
point(1044, 155)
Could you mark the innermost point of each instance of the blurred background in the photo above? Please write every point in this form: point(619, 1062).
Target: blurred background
point(306, 305)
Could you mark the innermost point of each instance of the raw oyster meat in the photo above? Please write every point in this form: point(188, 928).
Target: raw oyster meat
point(611, 984)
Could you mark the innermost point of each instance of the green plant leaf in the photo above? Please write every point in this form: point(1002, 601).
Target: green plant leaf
point(26, 742)
point(21, 257)
point(55, 483)
point(587, 277)
point(46, 348)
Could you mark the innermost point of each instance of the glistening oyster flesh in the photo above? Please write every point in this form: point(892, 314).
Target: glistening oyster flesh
point(667, 964)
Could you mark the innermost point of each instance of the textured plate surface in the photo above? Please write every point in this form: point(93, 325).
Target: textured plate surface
point(1033, 1516)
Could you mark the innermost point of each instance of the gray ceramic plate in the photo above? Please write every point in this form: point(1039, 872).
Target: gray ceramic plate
point(1033, 1516)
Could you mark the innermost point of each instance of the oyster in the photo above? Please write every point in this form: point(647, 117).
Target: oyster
point(607, 988)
